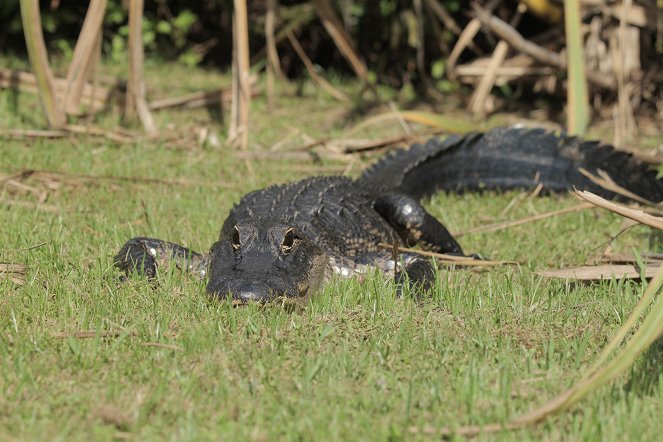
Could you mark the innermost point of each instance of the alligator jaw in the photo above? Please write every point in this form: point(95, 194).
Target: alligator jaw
point(249, 290)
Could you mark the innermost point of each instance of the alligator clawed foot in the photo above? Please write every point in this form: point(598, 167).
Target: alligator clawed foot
point(135, 257)
point(419, 274)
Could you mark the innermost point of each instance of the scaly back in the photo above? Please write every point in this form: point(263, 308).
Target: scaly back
point(509, 158)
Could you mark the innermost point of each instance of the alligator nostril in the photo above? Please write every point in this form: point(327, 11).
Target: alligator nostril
point(251, 292)
point(251, 295)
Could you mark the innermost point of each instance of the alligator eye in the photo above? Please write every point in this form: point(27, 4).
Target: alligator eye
point(235, 239)
point(288, 240)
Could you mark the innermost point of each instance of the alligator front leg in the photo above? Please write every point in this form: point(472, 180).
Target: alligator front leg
point(413, 268)
point(146, 255)
point(416, 226)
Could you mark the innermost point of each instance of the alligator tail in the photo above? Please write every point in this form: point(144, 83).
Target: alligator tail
point(509, 158)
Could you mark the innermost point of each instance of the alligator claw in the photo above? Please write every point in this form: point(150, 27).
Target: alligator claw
point(420, 274)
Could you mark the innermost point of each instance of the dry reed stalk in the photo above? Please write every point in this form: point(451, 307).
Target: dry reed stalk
point(443, 15)
point(33, 206)
point(443, 258)
point(304, 15)
point(465, 39)
point(135, 100)
point(626, 258)
point(341, 38)
point(503, 74)
point(659, 26)
point(31, 133)
point(14, 187)
point(317, 170)
point(401, 121)
point(601, 272)
point(92, 333)
point(234, 91)
point(604, 180)
point(420, 44)
point(297, 155)
point(421, 52)
point(441, 123)
point(200, 99)
point(635, 214)
point(239, 130)
point(506, 224)
point(469, 32)
point(34, 40)
point(292, 133)
point(520, 197)
point(13, 272)
point(23, 249)
point(351, 146)
point(192, 100)
point(96, 97)
point(438, 36)
point(308, 64)
point(269, 68)
point(94, 64)
point(273, 62)
point(478, 100)
point(577, 97)
point(488, 79)
point(364, 146)
point(84, 59)
point(78, 178)
point(162, 345)
point(116, 136)
point(625, 127)
point(539, 53)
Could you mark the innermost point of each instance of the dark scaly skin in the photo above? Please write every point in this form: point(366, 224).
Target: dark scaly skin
point(509, 158)
point(340, 218)
point(286, 240)
point(335, 228)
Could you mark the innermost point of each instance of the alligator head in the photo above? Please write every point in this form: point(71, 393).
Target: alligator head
point(263, 261)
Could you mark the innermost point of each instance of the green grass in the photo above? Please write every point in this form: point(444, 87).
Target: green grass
point(353, 363)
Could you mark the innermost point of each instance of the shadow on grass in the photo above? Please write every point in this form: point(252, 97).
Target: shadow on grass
point(15, 101)
point(215, 113)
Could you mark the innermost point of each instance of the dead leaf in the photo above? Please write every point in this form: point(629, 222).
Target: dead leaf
point(14, 272)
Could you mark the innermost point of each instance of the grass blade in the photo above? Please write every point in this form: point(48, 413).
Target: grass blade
point(647, 333)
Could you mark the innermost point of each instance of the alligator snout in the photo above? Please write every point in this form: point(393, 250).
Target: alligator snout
point(249, 290)
point(252, 292)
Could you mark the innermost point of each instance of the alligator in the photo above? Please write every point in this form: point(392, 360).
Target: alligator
point(285, 240)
